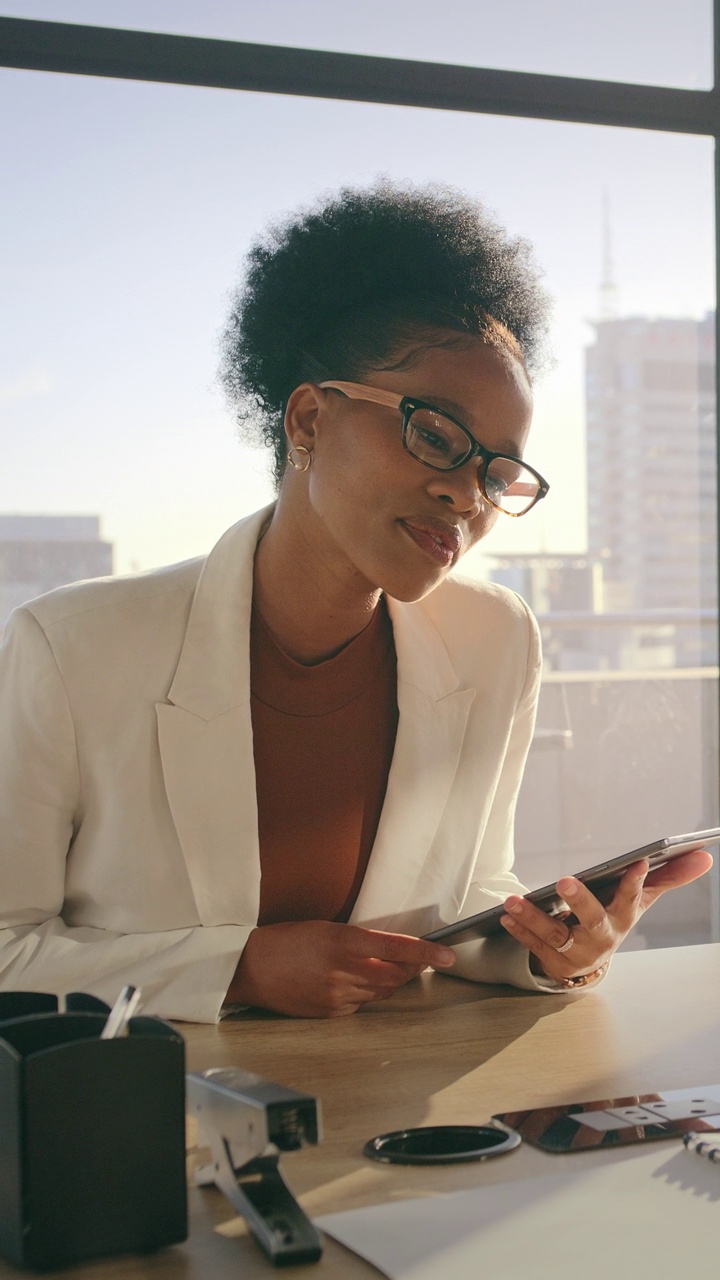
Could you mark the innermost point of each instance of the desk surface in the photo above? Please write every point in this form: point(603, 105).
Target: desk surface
point(441, 1051)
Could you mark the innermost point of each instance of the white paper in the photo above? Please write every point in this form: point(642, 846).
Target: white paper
point(653, 1216)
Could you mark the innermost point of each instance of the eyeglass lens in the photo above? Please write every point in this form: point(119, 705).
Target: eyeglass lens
point(434, 439)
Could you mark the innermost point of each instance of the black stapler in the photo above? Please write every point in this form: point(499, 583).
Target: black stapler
point(247, 1122)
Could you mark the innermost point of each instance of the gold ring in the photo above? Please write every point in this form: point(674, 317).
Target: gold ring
point(567, 943)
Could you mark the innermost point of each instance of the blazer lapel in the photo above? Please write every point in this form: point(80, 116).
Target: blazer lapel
point(433, 714)
point(205, 734)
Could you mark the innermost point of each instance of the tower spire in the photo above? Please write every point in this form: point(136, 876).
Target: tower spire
point(608, 288)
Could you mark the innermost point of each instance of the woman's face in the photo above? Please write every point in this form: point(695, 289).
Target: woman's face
point(382, 519)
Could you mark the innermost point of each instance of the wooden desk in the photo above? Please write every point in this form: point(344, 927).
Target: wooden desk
point(443, 1051)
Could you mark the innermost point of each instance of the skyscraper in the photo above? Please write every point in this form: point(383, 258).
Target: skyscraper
point(650, 394)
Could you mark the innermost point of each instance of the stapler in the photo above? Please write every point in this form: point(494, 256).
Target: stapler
point(247, 1122)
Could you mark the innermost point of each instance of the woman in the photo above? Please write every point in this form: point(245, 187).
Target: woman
point(257, 778)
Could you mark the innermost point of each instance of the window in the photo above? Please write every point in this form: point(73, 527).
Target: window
point(129, 207)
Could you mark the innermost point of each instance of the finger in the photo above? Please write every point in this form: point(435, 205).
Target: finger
point(680, 871)
point(372, 978)
point(360, 991)
point(332, 1003)
point(590, 912)
point(550, 931)
point(341, 1008)
point(399, 948)
point(546, 953)
point(628, 902)
point(408, 971)
point(382, 975)
point(387, 995)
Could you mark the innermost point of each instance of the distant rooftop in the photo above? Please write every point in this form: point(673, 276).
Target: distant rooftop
point(49, 528)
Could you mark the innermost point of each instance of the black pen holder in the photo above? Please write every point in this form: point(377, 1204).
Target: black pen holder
point(92, 1138)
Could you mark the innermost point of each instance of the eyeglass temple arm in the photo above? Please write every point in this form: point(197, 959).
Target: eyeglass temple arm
point(354, 391)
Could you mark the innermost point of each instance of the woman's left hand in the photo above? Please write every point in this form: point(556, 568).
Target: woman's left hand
point(599, 930)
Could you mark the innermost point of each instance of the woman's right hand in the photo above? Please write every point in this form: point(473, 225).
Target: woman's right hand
point(320, 969)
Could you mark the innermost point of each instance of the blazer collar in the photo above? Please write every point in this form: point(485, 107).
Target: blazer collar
point(213, 674)
point(423, 662)
point(433, 715)
point(205, 736)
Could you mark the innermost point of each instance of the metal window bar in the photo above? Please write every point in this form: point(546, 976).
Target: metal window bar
point(227, 64)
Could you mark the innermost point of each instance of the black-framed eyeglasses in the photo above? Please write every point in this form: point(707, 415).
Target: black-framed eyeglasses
point(438, 441)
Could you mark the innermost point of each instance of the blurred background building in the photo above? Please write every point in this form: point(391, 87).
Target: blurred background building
point(38, 553)
point(629, 698)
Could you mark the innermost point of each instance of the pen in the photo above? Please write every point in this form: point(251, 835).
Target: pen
point(121, 1013)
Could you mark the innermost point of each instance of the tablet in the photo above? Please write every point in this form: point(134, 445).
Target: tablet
point(601, 880)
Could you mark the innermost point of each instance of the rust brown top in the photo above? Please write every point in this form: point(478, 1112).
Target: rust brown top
point(323, 742)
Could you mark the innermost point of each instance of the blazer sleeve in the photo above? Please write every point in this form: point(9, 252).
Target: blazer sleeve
point(184, 973)
point(501, 959)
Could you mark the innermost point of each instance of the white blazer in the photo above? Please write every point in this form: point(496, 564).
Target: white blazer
point(128, 820)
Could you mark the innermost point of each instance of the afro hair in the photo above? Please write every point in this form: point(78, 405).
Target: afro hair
point(346, 286)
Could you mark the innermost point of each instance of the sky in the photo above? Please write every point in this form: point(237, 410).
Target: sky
point(127, 209)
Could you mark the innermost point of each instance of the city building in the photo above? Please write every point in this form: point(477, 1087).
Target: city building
point(650, 396)
point(630, 629)
point(645, 595)
point(38, 553)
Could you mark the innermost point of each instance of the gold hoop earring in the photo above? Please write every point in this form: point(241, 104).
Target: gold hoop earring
point(300, 463)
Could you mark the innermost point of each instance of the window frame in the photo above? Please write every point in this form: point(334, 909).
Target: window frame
point(69, 48)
